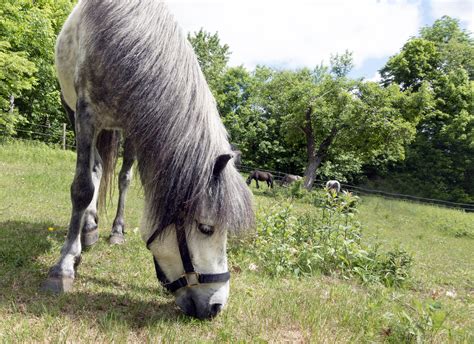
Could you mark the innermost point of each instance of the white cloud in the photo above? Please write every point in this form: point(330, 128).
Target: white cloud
point(460, 9)
point(302, 32)
point(375, 78)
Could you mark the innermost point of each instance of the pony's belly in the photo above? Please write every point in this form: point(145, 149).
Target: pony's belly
point(105, 119)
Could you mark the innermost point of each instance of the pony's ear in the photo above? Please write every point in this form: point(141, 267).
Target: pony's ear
point(221, 163)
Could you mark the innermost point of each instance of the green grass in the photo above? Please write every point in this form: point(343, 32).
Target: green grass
point(116, 297)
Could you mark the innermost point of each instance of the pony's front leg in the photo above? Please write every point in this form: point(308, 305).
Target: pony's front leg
point(256, 182)
point(61, 275)
point(125, 176)
point(90, 230)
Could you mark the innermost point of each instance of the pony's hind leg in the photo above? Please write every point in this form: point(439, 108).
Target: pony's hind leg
point(61, 275)
point(125, 176)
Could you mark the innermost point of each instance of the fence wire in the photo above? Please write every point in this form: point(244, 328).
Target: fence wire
point(56, 138)
point(279, 175)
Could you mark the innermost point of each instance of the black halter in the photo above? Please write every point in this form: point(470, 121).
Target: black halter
point(190, 277)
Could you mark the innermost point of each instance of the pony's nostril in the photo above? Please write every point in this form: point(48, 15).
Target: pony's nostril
point(215, 309)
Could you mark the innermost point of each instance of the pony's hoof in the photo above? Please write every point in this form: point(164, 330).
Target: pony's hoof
point(116, 239)
point(89, 238)
point(58, 285)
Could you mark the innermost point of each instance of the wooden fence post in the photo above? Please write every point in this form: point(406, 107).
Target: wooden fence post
point(64, 136)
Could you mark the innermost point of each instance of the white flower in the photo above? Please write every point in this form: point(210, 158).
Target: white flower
point(253, 267)
point(451, 294)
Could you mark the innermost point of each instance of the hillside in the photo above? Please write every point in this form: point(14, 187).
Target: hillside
point(117, 298)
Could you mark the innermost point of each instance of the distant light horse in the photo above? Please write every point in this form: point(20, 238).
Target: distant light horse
point(260, 176)
point(289, 178)
point(333, 186)
point(126, 65)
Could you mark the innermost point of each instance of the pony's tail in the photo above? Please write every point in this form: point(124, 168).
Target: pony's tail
point(108, 148)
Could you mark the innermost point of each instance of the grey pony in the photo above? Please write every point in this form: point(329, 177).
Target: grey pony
point(125, 65)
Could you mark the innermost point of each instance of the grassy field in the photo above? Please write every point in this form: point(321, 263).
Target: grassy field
point(117, 298)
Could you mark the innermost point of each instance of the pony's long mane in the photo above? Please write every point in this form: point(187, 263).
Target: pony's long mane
point(144, 72)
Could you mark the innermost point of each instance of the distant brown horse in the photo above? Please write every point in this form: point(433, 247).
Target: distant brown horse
point(261, 176)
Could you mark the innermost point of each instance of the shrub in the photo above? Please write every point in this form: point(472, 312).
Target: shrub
point(327, 241)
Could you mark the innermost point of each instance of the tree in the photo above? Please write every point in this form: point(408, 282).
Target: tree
point(326, 116)
point(15, 78)
point(30, 28)
point(212, 56)
point(419, 60)
point(440, 159)
point(455, 46)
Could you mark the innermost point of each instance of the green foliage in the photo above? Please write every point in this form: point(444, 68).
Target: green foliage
point(329, 243)
point(15, 78)
point(438, 66)
point(264, 112)
point(455, 46)
point(30, 29)
point(212, 56)
point(341, 65)
point(418, 61)
point(416, 323)
point(296, 190)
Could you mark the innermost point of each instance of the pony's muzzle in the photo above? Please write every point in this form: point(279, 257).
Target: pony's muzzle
point(197, 304)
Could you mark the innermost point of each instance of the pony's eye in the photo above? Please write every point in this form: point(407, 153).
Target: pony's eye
point(206, 229)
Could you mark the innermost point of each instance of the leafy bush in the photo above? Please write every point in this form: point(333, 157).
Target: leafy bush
point(327, 241)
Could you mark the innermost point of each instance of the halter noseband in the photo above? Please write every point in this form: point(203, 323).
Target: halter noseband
point(190, 277)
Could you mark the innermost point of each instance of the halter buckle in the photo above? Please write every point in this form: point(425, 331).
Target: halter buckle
point(192, 278)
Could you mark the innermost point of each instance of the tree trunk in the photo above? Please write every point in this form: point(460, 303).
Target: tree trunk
point(310, 150)
point(310, 173)
point(316, 157)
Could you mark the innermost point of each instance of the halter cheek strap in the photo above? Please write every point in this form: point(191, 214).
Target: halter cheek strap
point(190, 277)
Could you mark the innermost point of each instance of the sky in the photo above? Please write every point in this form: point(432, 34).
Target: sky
point(304, 33)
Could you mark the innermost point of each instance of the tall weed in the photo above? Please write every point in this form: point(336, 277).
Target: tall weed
point(326, 240)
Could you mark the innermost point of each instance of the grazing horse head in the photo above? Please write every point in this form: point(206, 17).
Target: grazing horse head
point(204, 236)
